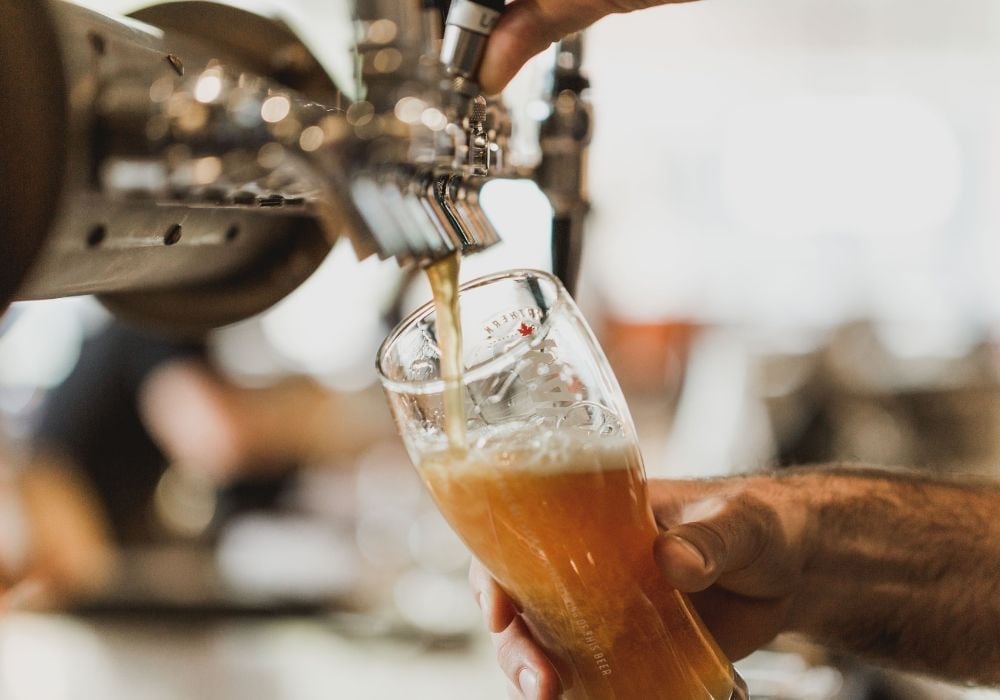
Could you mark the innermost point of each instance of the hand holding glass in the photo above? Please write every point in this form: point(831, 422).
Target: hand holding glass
point(549, 490)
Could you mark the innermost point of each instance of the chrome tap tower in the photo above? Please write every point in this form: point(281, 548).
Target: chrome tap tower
point(193, 163)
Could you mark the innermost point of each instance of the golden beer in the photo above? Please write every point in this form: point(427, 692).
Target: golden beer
point(566, 528)
point(525, 442)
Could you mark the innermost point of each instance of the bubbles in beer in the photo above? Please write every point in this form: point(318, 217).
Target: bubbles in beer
point(533, 462)
point(530, 449)
point(561, 519)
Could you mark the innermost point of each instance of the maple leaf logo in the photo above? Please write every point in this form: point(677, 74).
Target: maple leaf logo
point(525, 329)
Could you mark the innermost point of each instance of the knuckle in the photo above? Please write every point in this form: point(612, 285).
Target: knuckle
point(754, 527)
point(509, 652)
point(761, 521)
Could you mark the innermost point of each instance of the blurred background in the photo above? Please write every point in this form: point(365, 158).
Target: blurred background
point(792, 258)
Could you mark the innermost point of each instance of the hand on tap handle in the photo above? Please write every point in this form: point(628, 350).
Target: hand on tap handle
point(467, 28)
point(528, 27)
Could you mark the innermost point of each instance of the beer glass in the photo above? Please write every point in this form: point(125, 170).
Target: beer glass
point(549, 492)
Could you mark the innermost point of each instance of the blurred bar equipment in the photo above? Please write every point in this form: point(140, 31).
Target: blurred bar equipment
point(562, 174)
point(193, 164)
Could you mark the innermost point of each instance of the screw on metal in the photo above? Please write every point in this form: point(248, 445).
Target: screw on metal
point(96, 236)
point(173, 235)
point(176, 64)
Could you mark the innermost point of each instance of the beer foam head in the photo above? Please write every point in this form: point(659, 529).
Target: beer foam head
point(520, 447)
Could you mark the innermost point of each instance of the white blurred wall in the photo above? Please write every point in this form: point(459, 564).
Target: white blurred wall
point(798, 162)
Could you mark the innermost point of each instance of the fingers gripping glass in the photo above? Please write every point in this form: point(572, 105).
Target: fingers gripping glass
point(550, 492)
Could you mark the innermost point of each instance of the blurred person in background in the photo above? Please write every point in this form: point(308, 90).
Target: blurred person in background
point(56, 539)
point(134, 406)
point(894, 567)
point(54, 536)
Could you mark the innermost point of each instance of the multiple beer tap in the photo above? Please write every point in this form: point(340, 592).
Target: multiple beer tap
point(418, 174)
point(207, 162)
point(458, 139)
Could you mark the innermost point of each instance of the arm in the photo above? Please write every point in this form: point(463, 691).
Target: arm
point(56, 545)
point(904, 570)
point(893, 567)
point(224, 431)
point(887, 565)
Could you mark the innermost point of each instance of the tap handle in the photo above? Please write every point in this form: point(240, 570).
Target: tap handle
point(469, 25)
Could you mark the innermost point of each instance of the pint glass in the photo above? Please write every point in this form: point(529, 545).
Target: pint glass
point(549, 491)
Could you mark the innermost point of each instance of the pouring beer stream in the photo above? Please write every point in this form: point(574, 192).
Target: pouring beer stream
point(443, 278)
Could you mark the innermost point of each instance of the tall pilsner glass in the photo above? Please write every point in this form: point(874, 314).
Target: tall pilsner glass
point(550, 492)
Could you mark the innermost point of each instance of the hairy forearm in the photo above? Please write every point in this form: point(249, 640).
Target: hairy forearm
point(904, 569)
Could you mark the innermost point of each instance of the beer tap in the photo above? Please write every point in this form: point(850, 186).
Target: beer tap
point(562, 174)
point(202, 162)
point(439, 122)
point(466, 31)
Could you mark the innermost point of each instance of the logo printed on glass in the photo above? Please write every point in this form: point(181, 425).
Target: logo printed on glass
point(540, 386)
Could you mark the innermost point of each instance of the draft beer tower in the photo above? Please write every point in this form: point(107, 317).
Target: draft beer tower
point(193, 163)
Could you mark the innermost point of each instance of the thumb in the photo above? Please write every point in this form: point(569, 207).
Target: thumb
point(528, 27)
point(693, 555)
